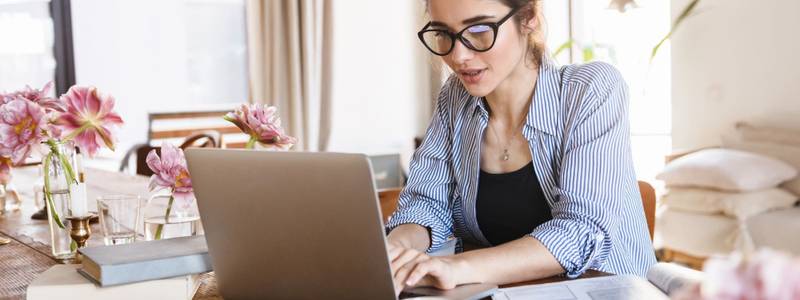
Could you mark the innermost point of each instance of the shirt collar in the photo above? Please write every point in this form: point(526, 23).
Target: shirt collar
point(543, 113)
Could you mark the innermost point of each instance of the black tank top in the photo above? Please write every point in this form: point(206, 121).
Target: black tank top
point(509, 206)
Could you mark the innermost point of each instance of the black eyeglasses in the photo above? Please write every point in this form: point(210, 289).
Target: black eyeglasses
point(478, 37)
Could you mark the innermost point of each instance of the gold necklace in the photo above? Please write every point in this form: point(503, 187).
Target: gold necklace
point(506, 155)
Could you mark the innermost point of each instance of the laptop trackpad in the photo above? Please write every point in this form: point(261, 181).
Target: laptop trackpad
point(467, 291)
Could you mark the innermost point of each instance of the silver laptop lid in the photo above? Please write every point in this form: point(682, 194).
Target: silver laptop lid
point(289, 225)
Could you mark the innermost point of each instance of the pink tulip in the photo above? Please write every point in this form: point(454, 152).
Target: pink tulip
point(263, 125)
point(765, 275)
point(22, 125)
point(5, 170)
point(724, 278)
point(41, 97)
point(170, 172)
point(690, 292)
point(88, 118)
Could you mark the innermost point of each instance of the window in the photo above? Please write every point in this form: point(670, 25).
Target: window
point(626, 41)
point(26, 53)
point(184, 55)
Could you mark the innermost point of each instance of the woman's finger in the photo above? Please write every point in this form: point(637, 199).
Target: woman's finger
point(419, 271)
point(426, 280)
point(394, 252)
point(401, 275)
point(434, 272)
point(402, 259)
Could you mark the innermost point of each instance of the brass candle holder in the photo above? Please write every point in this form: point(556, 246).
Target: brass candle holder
point(79, 229)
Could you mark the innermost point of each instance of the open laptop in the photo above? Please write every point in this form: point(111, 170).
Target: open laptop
point(290, 225)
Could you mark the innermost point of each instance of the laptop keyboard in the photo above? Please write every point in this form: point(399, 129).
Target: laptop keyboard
point(404, 295)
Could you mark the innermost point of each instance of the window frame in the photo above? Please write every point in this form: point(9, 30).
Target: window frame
point(61, 13)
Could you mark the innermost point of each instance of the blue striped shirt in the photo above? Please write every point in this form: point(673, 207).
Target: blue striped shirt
point(579, 136)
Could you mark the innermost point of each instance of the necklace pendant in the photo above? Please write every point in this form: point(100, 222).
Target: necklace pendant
point(505, 155)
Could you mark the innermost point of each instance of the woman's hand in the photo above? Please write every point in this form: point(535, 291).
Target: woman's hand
point(399, 257)
point(411, 267)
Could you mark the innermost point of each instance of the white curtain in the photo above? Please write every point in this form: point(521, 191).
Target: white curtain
point(289, 49)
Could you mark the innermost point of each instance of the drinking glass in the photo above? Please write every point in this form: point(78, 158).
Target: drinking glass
point(119, 215)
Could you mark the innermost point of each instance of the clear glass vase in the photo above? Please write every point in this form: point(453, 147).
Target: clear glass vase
point(9, 198)
point(60, 241)
point(3, 195)
point(165, 220)
point(57, 179)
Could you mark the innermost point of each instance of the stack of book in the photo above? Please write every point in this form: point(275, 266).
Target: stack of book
point(163, 269)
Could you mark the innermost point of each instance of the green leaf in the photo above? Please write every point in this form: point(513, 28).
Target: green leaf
point(64, 161)
point(73, 246)
point(678, 21)
point(69, 172)
point(565, 46)
point(588, 53)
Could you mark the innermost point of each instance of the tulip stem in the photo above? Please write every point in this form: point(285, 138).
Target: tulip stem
point(251, 143)
point(160, 227)
point(69, 177)
point(47, 193)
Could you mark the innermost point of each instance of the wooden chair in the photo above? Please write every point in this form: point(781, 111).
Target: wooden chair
point(648, 194)
point(206, 139)
point(172, 125)
point(389, 198)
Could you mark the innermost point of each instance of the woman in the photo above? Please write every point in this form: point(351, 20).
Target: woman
point(530, 161)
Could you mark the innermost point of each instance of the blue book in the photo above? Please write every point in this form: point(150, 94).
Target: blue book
point(142, 261)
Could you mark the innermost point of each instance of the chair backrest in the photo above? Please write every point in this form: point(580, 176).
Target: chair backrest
point(648, 194)
point(141, 158)
point(206, 139)
point(388, 200)
point(390, 197)
point(173, 126)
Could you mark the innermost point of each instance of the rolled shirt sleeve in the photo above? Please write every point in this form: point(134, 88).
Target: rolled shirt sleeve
point(426, 198)
point(596, 176)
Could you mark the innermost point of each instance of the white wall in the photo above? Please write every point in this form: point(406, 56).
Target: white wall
point(155, 55)
point(735, 60)
point(379, 78)
point(130, 59)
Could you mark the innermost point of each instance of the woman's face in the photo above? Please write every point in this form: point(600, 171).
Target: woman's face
point(480, 72)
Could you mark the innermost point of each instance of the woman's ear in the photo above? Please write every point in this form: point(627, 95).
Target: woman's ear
point(530, 23)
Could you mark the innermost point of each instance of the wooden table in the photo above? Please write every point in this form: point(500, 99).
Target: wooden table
point(29, 254)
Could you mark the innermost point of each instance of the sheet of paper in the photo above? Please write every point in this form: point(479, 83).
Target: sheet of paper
point(609, 287)
point(670, 277)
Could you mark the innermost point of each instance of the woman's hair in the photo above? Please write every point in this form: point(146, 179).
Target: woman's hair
point(536, 39)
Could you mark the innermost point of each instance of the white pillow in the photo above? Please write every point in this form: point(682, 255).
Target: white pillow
point(792, 186)
point(727, 170)
point(739, 205)
point(785, 152)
